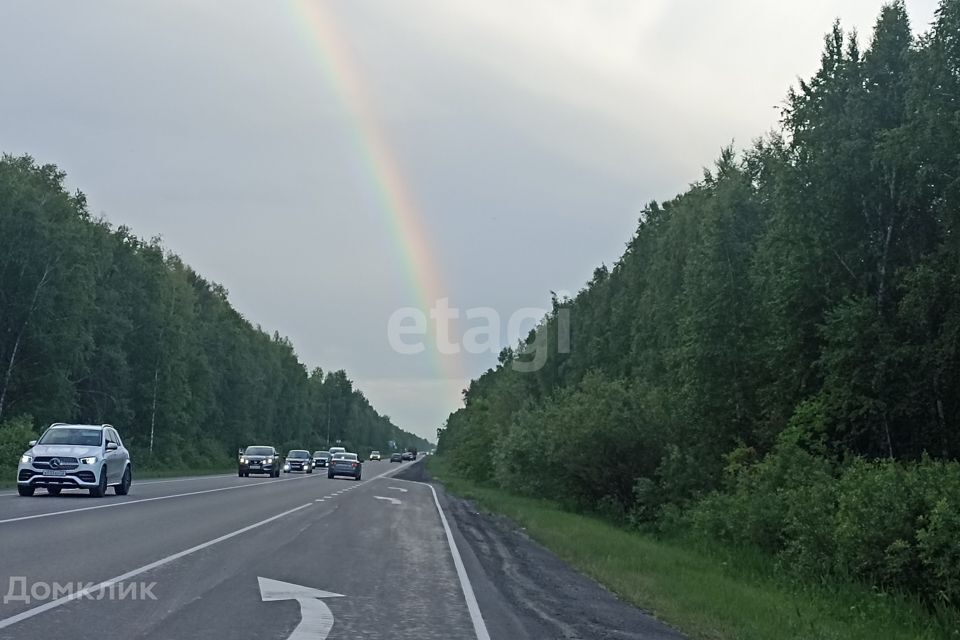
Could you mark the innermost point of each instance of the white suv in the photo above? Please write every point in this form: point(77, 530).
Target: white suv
point(76, 456)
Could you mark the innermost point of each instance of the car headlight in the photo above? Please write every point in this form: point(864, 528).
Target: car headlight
point(269, 460)
point(243, 461)
point(25, 459)
point(90, 460)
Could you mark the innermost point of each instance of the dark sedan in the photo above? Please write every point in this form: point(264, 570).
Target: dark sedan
point(259, 459)
point(298, 460)
point(320, 458)
point(345, 464)
point(396, 457)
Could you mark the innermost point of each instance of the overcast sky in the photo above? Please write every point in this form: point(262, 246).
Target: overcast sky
point(529, 132)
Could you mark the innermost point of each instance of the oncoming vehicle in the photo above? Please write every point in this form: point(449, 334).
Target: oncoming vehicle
point(375, 455)
point(298, 460)
point(259, 459)
point(345, 464)
point(396, 457)
point(334, 450)
point(76, 456)
point(320, 458)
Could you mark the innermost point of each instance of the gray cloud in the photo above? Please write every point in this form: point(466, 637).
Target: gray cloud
point(531, 132)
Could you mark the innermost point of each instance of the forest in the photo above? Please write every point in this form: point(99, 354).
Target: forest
point(100, 326)
point(774, 361)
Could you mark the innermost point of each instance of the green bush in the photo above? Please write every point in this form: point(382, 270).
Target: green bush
point(14, 436)
point(890, 524)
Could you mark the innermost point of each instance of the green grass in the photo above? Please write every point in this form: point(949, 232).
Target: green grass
point(719, 593)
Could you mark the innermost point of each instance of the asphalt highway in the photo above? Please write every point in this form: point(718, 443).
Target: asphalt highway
point(300, 556)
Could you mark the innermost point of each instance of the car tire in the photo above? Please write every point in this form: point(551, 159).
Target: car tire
point(329, 476)
point(26, 492)
point(123, 488)
point(357, 477)
point(309, 470)
point(54, 491)
point(101, 489)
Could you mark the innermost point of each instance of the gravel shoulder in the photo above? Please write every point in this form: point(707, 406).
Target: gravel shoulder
point(525, 591)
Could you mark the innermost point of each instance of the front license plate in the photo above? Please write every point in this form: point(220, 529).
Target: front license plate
point(54, 473)
point(254, 466)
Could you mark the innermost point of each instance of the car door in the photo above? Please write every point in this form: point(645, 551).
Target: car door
point(123, 456)
point(111, 458)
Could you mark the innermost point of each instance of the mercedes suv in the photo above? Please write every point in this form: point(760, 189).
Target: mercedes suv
point(76, 456)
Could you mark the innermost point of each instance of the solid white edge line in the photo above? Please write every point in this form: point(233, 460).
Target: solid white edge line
point(29, 613)
point(153, 499)
point(479, 626)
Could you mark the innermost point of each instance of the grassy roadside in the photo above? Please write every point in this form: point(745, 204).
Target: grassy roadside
point(723, 595)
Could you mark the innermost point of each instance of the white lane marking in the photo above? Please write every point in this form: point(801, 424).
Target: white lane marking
point(29, 613)
point(319, 500)
point(141, 500)
point(397, 489)
point(390, 500)
point(479, 626)
point(218, 475)
point(316, 619)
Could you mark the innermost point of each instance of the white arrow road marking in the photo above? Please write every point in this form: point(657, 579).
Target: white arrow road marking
point(397, 489)
point(316, 619)
point(390, 500)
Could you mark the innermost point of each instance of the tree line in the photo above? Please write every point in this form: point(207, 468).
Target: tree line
point(98, 325)
point(775, 359)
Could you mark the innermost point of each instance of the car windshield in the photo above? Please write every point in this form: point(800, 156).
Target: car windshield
point(321, 454)
point(298, 454)
point(79, 437)
point(374, 453)
point(258, 451)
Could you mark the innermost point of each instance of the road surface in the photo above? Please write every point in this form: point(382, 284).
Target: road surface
point(300, 556)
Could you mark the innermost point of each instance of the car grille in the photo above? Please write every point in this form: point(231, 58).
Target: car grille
point(43, 462)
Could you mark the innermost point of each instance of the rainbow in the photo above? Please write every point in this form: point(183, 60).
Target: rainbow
point(396, 199)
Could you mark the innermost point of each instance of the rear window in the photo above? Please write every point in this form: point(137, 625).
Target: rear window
point(344, 456)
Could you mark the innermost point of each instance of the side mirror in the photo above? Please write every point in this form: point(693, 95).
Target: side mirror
point(32, 443)
point(111, 446)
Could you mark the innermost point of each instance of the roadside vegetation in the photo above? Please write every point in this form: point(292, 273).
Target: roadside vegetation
point(774, 362)
point(709, 591)
point(97, 325)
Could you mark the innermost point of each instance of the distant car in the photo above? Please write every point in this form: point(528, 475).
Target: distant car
point(406, 455)
point(375, 455)
point(334, 450)
point(345, 464)
point(76, 456)
point(298, 460)
point(396, 457)
point(320, 458)
point(259, 459)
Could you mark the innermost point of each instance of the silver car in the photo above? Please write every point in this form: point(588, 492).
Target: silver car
point(76, 456)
